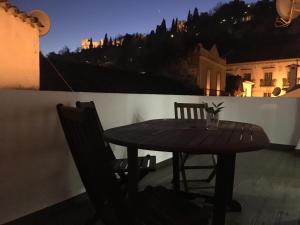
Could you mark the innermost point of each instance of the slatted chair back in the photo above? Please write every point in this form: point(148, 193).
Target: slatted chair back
point(194, 111)
point(120, 165)
point(85, 140)
point(95, 117)
point(190, 111)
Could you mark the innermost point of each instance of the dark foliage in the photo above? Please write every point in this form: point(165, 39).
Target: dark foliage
point(239, 30)
point(231, 26)
point(234, 85)
point(91, 78)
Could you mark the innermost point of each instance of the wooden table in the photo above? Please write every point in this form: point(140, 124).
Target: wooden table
point(191, 136)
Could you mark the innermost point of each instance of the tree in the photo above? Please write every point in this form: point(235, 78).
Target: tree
point(105, 41)
point(189, 17)
point(151, 35)
point(91, 43)
point(163, 26)
point(174, 26)
point(110, 42)
point(64, 51)
point(195, 15)
point(234, 85)
point(232, 12)
point(189, 22)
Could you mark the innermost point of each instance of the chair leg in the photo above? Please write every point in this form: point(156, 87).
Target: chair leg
point(184, 157)
point(213, 173)
point(182, 160)
point(214, 159)
point(211, 176)
point(176, 171)
point(182, 170)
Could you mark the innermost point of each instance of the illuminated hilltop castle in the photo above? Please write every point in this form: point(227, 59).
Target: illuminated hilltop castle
point(181, 26)
point(86, 43)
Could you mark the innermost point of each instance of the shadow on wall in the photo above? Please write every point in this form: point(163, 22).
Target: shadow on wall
point(137, 117)
point(34, 156)
point(296, 134)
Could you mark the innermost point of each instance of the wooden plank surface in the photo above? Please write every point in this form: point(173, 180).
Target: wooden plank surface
point(189, 136)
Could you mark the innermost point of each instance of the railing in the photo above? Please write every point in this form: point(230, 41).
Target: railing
point(268, 83)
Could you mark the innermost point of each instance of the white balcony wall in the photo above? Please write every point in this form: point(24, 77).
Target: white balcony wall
point(36, 169)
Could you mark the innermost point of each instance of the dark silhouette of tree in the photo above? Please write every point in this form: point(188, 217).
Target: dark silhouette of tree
point(226, 27)
point(195, 16)
point(64, 51)
point(105, 41)
point(234, 85)
point(174, 26)
point(189, 17)
point(162, 28)
point(110, 42)
point(231, 13)
point(91, 43)
point(152, 33)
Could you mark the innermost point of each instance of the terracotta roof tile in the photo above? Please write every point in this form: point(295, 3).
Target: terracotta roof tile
point(20, 14)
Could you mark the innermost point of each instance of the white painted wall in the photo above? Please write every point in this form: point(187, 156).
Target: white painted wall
point(36, 169)
point(19, 52)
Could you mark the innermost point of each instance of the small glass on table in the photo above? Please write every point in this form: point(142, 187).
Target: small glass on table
point(212, 116)
point(212, 121)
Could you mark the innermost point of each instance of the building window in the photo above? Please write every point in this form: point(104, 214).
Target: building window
point(268, 76)
point(267, 81)
point(267, 94)
point(247, 76)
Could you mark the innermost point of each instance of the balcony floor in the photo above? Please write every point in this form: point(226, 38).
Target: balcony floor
point(267, 184)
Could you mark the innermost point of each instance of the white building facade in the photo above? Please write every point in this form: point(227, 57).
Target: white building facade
point(209, 70)
point(268, 75)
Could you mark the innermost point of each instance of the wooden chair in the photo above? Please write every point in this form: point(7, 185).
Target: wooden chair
point(97, 175)
point(120, 166)
point(88, 151)
point(193, 112)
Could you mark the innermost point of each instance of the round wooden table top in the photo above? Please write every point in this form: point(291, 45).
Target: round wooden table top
point(190, 136)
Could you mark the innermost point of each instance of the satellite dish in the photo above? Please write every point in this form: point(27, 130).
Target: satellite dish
point(287, 11)
point(44, 21)
point(276, 91)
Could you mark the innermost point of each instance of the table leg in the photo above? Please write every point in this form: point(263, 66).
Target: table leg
point(232, 205)
point(176, 176)
point(132, 154)
point(224, 187)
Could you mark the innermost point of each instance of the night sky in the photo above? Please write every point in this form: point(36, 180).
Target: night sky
point(73, 20)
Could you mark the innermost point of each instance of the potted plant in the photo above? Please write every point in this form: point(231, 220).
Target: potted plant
point(212, 116)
